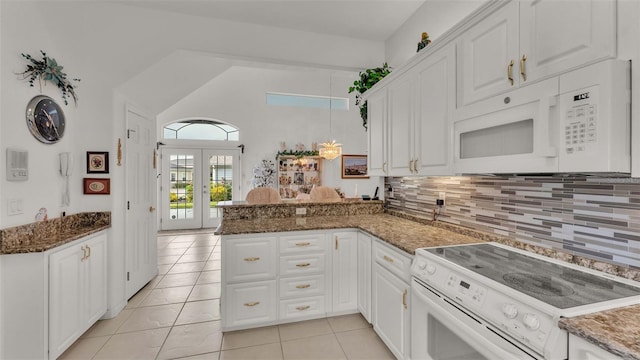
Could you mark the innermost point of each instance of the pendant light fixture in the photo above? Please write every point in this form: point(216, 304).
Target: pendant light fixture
point(330, 150)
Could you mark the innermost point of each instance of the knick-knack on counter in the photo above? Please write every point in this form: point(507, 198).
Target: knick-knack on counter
point(424, 41)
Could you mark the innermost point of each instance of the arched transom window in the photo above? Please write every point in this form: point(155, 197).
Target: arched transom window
point(196, 129)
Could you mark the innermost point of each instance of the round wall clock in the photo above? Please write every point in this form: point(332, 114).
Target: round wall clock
point(45, 119)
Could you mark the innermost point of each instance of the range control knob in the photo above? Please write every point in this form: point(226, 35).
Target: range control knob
point(510, 311)
point(431, 269)
point(422, 265)
point(531, 321)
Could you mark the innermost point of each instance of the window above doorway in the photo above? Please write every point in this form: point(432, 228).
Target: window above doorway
point(200, 129)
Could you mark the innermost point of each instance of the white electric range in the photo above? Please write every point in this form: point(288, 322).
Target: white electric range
point(491, 301)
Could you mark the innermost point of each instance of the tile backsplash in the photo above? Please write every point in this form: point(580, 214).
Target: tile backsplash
point(594, 217)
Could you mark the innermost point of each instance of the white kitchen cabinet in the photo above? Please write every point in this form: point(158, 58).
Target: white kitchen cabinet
point(526, 41)
point(377, 131)
point(364, 275)
point(391, 316)
point(249, 303)
point(391, 296)
point(401, 119)
point(77, 291)
point(250, 259)
point(50, 298)
point(344, 272)
point(435, 102)
point(581, 349)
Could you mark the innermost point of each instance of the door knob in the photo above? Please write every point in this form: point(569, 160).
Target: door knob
point(151, 209)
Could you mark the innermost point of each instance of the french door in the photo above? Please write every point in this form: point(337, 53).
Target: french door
point(193, 182)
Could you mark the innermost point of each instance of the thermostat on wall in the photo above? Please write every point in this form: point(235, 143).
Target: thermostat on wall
point(17, 164)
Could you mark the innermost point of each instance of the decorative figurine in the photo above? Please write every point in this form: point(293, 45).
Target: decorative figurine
point(424, 41)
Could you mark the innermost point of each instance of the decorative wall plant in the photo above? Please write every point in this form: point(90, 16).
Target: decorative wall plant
point(47, 69)
point(368, 78)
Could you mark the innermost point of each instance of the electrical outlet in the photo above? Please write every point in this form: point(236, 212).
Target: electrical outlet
point(301, 211)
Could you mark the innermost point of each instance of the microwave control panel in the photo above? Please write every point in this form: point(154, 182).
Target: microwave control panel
point(580, 115)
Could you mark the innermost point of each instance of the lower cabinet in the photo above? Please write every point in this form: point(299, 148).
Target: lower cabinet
point(391, 302)
point(49, 299)
point(77, 291)
point(580, 349)
point(344, 272)
point(250, 303)
point(364, 275)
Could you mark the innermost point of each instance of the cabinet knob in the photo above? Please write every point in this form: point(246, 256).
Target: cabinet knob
point(152, 209)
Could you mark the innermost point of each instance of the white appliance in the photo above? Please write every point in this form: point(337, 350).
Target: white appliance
point(576, 122)
point(490, 301)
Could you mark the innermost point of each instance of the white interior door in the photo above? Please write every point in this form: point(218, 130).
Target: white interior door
point(193, 182)
point(140, 165)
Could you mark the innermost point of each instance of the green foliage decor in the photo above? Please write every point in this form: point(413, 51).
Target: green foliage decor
point(298, 154)
point(48, 69)
point(368, 78)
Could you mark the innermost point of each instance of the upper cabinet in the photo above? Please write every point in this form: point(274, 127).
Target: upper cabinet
point(419, 107)
point(377, 131)
point(526, 41)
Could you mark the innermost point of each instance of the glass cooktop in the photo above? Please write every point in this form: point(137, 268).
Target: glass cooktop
point(554, 284)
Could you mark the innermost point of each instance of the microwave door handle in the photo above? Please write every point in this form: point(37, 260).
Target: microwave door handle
point(545, 147)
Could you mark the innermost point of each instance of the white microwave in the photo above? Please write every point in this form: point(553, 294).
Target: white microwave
point(575, 122)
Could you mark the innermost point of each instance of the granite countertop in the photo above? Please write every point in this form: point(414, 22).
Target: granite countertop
point(616, 330)
point(404, 234)
point(44, 235)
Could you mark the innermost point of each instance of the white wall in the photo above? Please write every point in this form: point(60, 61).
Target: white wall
point(238, 97)
point(434, 17)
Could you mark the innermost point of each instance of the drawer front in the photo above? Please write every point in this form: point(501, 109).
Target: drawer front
point(299, 308)
point(250, 259)
point(250, 303)
point(392, 260)
point(302, 286)
point(302, 264)
point(295, 244)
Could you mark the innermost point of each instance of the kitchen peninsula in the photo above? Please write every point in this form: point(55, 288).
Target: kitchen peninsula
point(392, 238)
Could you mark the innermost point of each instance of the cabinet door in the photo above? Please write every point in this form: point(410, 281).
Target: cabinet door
point(436, 95)
point(391, 317)
point(377, 130)
point(96, 279)
point(364, 275)
point(487, 50)
point(345, 272)
point(65, 298)
point(400, 126)
point(249, 259)
point(559, 35)
point(248, 304)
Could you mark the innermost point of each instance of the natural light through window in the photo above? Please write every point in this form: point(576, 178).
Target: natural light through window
point(201, 130)
point(307, 101)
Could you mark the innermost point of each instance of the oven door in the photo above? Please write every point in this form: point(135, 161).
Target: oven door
point(442, 330)
point(512, 133)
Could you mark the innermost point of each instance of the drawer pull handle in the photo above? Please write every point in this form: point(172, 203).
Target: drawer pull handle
point(250, 304)
point(509, 72)
point(404, 298)
point(522, 70)
point(388, 258)
point(303, 244)
point(305, 286)
point(302, 308)
point(303, 265)
point(252, 259)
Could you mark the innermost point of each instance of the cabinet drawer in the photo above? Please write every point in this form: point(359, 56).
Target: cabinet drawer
point(302, 264)
point(249, 259)
point(250, 303)
point(302, 286)
point(293, 244)
point(298, 308)
point(392, 260)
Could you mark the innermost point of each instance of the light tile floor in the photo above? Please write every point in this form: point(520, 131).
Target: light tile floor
point(177, 316)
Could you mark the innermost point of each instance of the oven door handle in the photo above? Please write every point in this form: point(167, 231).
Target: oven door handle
point(447, 314)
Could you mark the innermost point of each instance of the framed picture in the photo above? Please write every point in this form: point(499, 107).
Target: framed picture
point(97, 162)
point(354, 167)
point(93, 186)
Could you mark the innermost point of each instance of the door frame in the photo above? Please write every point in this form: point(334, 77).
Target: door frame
point(203, 146)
